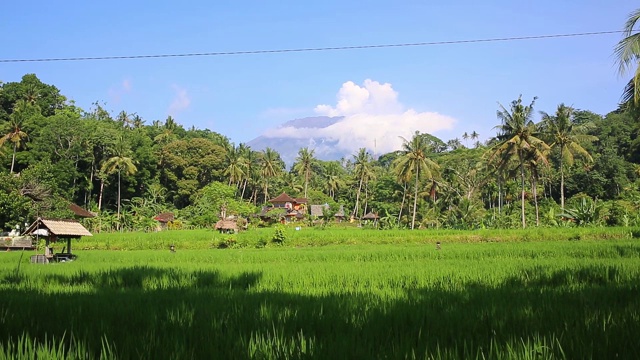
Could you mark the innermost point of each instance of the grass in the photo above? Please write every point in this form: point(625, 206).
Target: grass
point(378, 297)
point(317, 236)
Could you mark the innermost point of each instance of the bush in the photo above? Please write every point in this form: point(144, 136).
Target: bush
point(279, 236)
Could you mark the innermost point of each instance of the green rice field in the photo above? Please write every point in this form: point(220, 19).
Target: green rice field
point(369, 298)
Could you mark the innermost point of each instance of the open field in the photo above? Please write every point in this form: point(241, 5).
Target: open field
point(318, 236)
point(500, 298)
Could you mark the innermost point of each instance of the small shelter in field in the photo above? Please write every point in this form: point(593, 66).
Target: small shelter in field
point(56, 230)
point(226, 226)
point(81, 212)
point(340, 214)
point(371, 217)
point(318, 210)
point(164, 219)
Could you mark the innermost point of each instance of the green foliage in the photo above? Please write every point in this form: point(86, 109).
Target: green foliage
point(64, 154)
point(211, 200)
point(279, 236)
point(586, 212)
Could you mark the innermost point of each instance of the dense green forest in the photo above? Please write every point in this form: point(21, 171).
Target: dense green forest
point(571, 168)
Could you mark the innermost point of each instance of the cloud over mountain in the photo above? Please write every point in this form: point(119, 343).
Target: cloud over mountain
point(367, 116)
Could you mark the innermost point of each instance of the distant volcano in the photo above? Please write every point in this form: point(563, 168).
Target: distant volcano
point(288, 147)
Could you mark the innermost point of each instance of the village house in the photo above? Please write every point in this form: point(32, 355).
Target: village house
point(291, 208)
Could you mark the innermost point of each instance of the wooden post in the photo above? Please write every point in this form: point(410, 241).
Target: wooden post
point(69, 245)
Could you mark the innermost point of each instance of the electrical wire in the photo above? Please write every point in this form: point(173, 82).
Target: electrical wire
point(274, 51)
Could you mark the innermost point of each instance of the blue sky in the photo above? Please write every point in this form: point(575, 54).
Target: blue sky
point(452, 88)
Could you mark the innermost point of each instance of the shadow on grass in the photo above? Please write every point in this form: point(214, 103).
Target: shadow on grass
point(158, 313)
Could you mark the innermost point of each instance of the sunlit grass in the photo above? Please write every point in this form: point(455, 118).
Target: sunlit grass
point(495, 300)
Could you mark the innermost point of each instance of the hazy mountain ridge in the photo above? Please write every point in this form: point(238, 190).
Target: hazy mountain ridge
point(288, 147)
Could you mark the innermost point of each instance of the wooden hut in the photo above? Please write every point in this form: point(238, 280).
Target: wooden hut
point(164, 219)
point(81, 212)
point(371, 217)
point(53, 231)
point(340, 214)
point(226, 226)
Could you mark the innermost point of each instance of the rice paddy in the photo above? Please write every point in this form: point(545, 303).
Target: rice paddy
point(380, 300)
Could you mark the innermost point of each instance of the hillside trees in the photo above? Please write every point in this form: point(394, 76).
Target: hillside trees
point(65, 154)
point(568, 137)
point(415, 163)
point(518, 140)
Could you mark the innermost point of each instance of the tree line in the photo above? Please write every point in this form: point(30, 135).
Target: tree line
point(572, 167)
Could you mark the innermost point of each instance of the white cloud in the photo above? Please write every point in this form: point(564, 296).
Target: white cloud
point(180, 102)
point(373, 118)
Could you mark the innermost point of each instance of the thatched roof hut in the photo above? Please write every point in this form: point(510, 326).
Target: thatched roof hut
point(52, 230)
point(226, 226)
point(165, 217)
point(370, 216)
point(81, 212)
point(318, 210)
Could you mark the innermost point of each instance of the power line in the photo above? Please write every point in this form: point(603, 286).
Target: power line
point(355, 47)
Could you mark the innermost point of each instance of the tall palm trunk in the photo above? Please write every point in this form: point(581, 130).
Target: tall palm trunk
point(244, 187)
point(13, 158)
point(118, 198)
point(415, 199)
point(266, 187)
point(524, 224)
point(561, 182)
point(534, 190)
point(404, 196)
point(100, 195)
point(355, 210)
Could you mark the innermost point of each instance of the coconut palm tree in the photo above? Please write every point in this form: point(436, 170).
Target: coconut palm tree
point(567, 137)
point(474, 135)
point(119, 162)
point(465, 137)
point(518, 140)
point(627, 52)
point(270, 166)
point(304, 165)
point(333, 182)
point(14, 129)
point(236, 165)
point(414, 162)
point(363, 171)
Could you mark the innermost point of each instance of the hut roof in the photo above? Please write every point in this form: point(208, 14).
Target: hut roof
point(317, 210)
point(62, 228)
point(164, 217)
point(81, 212)
point(226, 225)
point(301, 200)
point(282, 198)
point(340, 212)
point(370, 216)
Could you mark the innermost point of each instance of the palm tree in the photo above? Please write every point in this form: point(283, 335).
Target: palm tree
point(333, 182)
point(14, 131)
point(363, 171)
point(566, 136)
point(474, 135)
point(304, 165)
point(414, 163)
point(270, 166)
point(627, 52)
point(119, 162)
point(518, 140)
point(236, 165)
point(465, 137)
